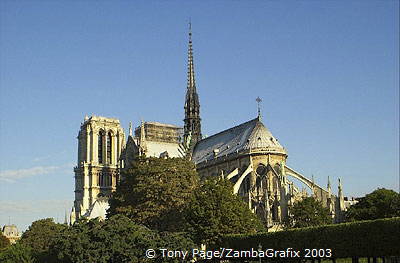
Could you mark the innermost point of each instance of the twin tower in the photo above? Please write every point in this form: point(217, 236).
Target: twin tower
point(103, 148)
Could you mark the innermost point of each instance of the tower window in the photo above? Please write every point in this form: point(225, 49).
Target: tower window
point(109, 147)
point(100, 146)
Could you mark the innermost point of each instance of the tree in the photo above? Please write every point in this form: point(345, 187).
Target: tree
point(117, 239)
point(308, 212)
point(17, 253)
point(381, 203)
point(4, 242)
point(39, 236)
point(214, 210)
point(153, 192)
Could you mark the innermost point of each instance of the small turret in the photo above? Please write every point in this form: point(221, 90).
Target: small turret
point(65, 218)
point(340, 207)
point(130, 128)
point(340, 196)
point(329, 187)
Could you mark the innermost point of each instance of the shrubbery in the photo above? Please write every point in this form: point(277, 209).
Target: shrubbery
point(357, 239)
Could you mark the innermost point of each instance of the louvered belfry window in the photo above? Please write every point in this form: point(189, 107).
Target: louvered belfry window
point(109, 147)
point(100, 146)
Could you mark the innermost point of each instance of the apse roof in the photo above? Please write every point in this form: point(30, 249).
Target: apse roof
point(251, 135)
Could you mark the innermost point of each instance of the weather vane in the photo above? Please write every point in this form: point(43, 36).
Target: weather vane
point(258, 105)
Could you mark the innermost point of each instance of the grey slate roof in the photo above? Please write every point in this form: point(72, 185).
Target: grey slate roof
point(248, 136)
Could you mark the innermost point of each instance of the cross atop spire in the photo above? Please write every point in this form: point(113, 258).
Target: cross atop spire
point(259, 100)
point(190, 28)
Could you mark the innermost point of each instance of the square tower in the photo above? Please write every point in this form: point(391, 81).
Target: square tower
point(100, 142)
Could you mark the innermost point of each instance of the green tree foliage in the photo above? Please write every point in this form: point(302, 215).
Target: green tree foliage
point(214, 210)
point(381, 203)
point(308, 212)
point(17, 253)
point(153, 192)
point(117, 239)
point(4, 242)
point(39, 237)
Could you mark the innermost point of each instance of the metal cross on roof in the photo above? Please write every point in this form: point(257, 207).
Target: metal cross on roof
point(258, 106)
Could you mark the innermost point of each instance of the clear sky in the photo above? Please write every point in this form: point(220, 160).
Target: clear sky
point(327, 71)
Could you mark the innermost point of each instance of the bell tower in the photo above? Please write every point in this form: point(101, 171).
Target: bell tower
point(100, 141)
point(192, 127)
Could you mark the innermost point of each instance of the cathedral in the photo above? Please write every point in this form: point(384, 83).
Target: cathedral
point(248, 155)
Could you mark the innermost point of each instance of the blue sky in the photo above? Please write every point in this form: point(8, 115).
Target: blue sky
point(327, 71)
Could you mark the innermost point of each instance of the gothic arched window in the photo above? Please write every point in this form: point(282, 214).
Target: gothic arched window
point(274, 212)
point(109, 147)
point(258, 185)
point(100, 146)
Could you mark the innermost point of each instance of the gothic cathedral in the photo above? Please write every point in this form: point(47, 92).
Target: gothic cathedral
point(247, 154)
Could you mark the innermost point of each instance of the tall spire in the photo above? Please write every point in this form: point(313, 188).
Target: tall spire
point(192, 129)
